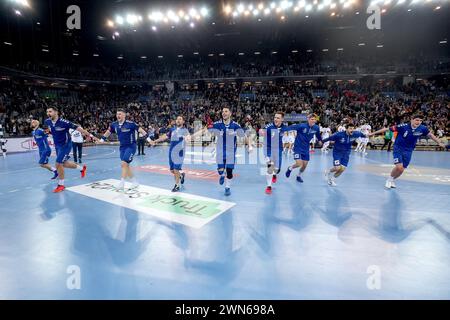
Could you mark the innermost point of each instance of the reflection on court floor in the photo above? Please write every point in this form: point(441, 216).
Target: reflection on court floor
point(305, 241)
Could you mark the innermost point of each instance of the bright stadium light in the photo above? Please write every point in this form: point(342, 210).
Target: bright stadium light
point(401, 1)
point(154, 28)
point(235, 14)
point(333, 5)
point(110, 23)
point(119, 20)
point(17, 12)
point(255, 12)
point(192, 25)
point(132, 19)
point(193, 12)
point(261, 6)
point(266, 11)
point(308, 7)
point(23, 3)
point(273, 5)
point(301, 3)
point(240, 8)
point(95, 55)
point(241, 53)
point(340, 49)
point(204, 12)
point(227, 10)
point(143, 57)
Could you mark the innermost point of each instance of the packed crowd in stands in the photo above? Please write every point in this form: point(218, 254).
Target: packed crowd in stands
point(253, 105)
point(224, 67)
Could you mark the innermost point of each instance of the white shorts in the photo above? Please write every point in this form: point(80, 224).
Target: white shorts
point(285, 140)
point(291, 139)
point(365, 140)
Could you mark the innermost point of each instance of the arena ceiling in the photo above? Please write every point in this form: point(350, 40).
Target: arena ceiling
point(39, 32)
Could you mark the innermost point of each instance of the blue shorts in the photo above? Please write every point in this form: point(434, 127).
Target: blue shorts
point(224, 165)
point(127, 153)
point(301, 154)
point(402, 156)
point(341, 158)
point(44, 155)
point(63, 152)
point(176, 160)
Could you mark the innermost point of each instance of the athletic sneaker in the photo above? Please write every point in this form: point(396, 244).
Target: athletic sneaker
point(274, 179)
point(176, 188)
point(269, 190)
point(227, 191)
point(299, 179)
point(288, 172)
point(388, 184)
point(393, 184)
point(331, 182)
point(221, 179)
point(134, 185)
point(182, 178)
point(121, 185)
point(55, 174)
point(59, 188)
point(83, 171)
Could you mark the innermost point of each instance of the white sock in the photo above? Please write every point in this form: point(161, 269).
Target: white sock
point(79, 167)
point(390, 179)
point(61, 182)
point(53, 169)
point(227, 183)
point(133, 180)
point(269, 180)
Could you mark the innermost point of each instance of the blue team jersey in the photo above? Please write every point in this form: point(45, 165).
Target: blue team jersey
point(227, 136)
point(176, 136)
point(126, 132)
point(343, 142)
point(60, 130)
point(41, 139)
point(273, 141)
point(407, 136)
point(304, 135)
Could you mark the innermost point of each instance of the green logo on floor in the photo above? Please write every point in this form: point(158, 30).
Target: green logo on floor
point(182, 205)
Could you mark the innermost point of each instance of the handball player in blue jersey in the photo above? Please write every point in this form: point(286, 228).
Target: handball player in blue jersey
point(41, 139)
point(273, 148)
point(226, 131)
point(59, 128)
point(177, 135)
point(305, 133)
point(343, 141)
point(126, 132)
point(407, 136)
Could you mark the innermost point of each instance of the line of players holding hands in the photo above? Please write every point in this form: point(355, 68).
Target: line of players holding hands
point(226, 132)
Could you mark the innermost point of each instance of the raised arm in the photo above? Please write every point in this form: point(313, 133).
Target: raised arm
point(379, 132)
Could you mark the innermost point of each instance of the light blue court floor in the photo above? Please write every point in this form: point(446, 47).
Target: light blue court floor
point(305, 241)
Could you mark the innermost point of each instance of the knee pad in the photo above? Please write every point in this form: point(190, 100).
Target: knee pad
point(229, 173)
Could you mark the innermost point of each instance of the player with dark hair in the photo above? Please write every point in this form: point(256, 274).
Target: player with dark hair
point(407, 136)
point(59, 129)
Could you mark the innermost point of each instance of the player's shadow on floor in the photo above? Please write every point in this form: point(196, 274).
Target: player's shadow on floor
point(96, 240)
point(52, 204)
point(125, 246)
point(389, 226)
point(337, 210)
point(272, 216)
point(212, 252)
